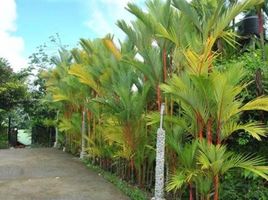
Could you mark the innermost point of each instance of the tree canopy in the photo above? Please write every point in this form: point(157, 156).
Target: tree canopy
point(13, 89)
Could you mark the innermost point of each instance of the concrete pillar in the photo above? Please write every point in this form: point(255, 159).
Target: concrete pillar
point(160, 160)
point(83, 134)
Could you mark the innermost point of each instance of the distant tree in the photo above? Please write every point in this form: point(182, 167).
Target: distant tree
point(39, 110)
point(13, 90)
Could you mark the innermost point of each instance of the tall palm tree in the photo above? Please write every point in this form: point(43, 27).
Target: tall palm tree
point(67, 91)
point(127, 105)
point(215, 102)
point(155, 51)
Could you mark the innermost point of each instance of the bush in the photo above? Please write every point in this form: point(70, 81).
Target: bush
point(235, 187)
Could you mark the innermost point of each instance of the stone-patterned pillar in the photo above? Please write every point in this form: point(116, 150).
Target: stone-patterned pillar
point(160, 161)
point(160, 165)
point(56, 132)
point(83, 133)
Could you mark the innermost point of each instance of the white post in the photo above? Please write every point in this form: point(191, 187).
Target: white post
point(83, 133)
point(160, 159)
point(57, 132)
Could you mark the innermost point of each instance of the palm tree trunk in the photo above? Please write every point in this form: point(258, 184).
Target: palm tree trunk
point(148, 175)
point(199, 126)
point(218, 132)
point(159, 98)
point(209, 133)
point(196, 192)
point(132, 170)
point(216, 187)
point(261, 32)
point(191, 196)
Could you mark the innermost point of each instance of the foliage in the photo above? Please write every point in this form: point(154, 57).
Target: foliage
point(252, 62)
point(249, 189)
point(257, 75)
point(12, 87)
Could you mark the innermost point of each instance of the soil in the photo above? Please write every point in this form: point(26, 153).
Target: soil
point(50, 174)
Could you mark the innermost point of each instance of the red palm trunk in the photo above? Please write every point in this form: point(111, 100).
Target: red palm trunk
point(260, 16)
point(216, 187)
point(200, 126)
point(209, 133)
point(159, 99)
point(200, 134)
point(191, 195)
point(218, 133)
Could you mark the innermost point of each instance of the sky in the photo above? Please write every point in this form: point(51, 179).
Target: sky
point(27, 24)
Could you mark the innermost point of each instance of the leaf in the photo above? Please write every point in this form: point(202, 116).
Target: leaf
point(260, 103)
point(112, 48)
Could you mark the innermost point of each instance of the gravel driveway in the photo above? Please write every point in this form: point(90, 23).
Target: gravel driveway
point(50, 174)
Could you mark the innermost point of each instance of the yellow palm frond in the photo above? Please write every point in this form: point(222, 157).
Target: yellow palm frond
point(255, 129)
point(83, 75)
point(261, 103)
point(112, 48)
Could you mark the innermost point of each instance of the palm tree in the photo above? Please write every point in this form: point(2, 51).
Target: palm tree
point(200, 159)
point(203, 27)
point(99, 66)
point(193, 54)
point(187, 171)
point(215, 102)
point(67, 91)
point(127, 105)
point(215, 159)
point(155, 51)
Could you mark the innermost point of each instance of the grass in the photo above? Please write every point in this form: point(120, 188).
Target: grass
point(132, 192)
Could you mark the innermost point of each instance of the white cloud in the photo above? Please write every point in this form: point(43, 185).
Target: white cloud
point(98, 24)
point(11, 47)
point(104, 15)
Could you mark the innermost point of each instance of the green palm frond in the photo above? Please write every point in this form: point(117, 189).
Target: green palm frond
point(176, 181)
point(260, 103)
point(83, 75)
point(187, 169)
point(255, 129)
point(188, 11)
point(224, 20)
point(154, 118)
point(71, 125)
point(218, 160)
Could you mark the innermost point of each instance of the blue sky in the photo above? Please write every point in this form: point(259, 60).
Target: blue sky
point(26, 24)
